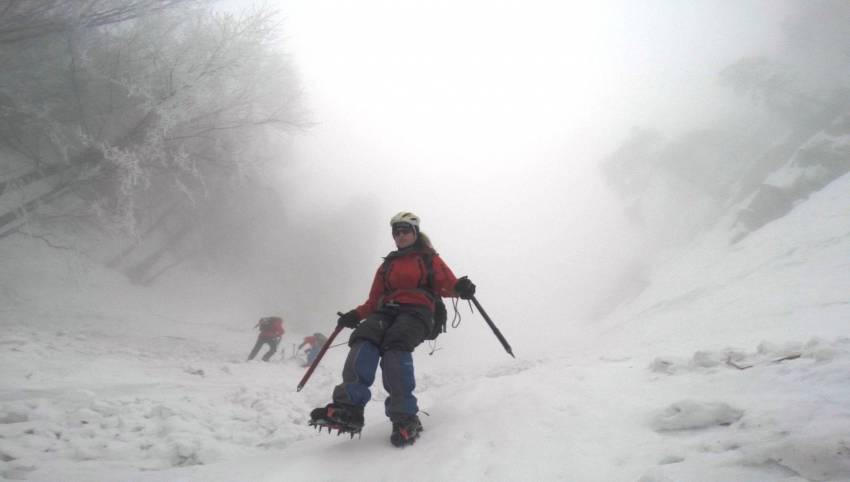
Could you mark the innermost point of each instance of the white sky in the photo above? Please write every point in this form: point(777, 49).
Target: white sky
point(487, 118)
point(489, 89)
point(471, 78)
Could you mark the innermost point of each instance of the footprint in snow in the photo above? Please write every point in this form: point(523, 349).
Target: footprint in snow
point(512, 369)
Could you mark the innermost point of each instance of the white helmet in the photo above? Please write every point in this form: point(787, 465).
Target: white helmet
point(406, 217)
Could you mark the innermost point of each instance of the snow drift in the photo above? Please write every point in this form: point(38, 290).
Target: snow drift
point(731, 365)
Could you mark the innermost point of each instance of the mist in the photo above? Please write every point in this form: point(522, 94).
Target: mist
point(651, 197)
point(489, 120)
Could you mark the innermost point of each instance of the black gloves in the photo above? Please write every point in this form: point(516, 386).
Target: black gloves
point(465, 288)
point(349, 320)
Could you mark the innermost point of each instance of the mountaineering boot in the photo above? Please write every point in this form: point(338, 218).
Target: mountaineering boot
point(406, 430)
point(340, 417)
point(318, 414)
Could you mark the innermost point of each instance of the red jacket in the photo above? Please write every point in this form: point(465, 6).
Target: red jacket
point(404, 279)
point(313, 341)
point(271, 327)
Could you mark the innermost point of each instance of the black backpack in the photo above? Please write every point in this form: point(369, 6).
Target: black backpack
point(440, 312)
point(440, 317)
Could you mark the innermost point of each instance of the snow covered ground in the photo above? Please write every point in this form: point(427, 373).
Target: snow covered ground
point(734, 365)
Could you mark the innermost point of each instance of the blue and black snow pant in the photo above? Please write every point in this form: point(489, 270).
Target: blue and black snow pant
point(312, 352)
point(388, 335)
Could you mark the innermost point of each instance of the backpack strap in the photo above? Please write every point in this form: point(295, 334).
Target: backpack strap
point(428, 260)
point(385, 273)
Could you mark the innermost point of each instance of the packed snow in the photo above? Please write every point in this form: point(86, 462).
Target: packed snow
point(734, 364)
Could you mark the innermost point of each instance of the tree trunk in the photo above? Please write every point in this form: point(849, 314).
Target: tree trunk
point(21, 211)
point(141, 270)
point(160, 221)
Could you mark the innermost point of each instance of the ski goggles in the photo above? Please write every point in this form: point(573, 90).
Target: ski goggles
point(398, 231)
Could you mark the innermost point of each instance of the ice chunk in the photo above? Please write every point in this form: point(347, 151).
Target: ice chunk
point(692, 414)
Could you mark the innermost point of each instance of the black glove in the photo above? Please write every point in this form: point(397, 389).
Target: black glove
point(465, 288)
point(349, 320)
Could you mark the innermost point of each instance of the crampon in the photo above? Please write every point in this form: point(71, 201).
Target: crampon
point(341, 428)
point(406, 432)
point(343, 419)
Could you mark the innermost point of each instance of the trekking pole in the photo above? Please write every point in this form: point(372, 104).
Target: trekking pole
point(319, 356)
point(493, 327)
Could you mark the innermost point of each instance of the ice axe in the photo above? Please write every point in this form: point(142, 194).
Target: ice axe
point(493, 326)
point(319, 356)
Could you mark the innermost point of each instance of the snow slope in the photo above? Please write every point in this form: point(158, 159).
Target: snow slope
point(733, 365)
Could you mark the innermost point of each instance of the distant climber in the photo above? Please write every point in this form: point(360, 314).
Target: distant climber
point(314, 343)
point(271, 330)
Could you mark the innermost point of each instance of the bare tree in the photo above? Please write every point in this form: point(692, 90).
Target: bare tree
point(164, 113)
point(22, 20)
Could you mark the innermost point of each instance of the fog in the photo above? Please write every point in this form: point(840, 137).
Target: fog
point(652, 198)
point(488, 119)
